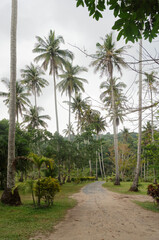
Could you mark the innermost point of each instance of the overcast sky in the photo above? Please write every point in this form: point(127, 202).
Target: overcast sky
point(36, 18)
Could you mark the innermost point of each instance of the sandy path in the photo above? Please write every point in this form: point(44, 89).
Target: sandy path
point(103, 215)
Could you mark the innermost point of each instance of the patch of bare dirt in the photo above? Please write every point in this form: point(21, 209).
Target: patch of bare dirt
point(104, 215)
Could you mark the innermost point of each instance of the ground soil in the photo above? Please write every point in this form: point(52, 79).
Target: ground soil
point(104, 215)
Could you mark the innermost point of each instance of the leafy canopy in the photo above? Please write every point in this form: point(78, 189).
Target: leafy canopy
point(133, 17)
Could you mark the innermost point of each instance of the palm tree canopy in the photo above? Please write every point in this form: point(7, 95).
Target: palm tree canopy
point(34, 119)
point(71, 82)
point(151, 80)
point(21, 96)
point(79, 105)
point(99, 123)
point(32, 78)
point(117, 89)
point(107, 57)
point(50, 54)
point(119, 98)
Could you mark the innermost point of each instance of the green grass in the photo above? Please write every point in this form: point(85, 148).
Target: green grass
point(19, 223)
point(148, 206)
point(125, 186)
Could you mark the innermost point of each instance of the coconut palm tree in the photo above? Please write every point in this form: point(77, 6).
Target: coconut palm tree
point(32, 78)
point(8, 196)
point(107, 58)
point(21, 97)
point(69, 130)
point(78, 106)
point(71, 83)
point(52, 57)
point(152, 84)
point(119, 98)
point(34, 119)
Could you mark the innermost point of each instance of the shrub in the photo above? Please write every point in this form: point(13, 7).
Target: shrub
point(46, 188)
point(153, 191)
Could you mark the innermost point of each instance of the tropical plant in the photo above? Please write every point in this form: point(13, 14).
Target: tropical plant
point(107, 58)
point(78, 106)
point(34, 119)
point(39, 160)
point(52, 57)
point(71, 83)
point(21, 97)
point(151, 84)
point(32, 78)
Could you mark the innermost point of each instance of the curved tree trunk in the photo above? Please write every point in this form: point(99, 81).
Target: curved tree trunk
point(8, 197)
point(134, 186)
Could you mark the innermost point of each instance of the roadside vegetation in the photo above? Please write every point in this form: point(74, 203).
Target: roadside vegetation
point(19, 223)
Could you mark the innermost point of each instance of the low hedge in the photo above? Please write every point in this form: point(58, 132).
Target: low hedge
point(82, 179)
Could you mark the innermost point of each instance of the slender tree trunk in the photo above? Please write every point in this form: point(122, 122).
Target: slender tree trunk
point(100, 165)
point(152, 131)
point(8, 197)
point(35, 99)
point(90, 168)
point(117, 179)
point(96, 165)
point(69, 118)
point(55, 98)
point(144, 171)
point(134, 186)
point(103, 161)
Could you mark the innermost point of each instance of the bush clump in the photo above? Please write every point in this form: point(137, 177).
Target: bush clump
point(153, 191)
point(46, 189)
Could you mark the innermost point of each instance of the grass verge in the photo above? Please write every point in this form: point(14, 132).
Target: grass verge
point(148, 206)
point(123, 188)
point(19, 223)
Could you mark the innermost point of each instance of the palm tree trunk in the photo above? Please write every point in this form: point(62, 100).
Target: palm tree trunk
point(100, 165)
point(96, 165)
point(55, 98)
point(69, 119)
point(8, 197)
point(134, 186)
point(102, 161)
point(152, 132)
point(35, 99)
point(117, 179)
point(12, 103)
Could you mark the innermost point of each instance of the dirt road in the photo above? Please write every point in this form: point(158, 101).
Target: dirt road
point(103, 215)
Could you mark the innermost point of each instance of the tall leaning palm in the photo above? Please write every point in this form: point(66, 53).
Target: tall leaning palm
point(71, 83)
point(8, 197)
point(22, 99)
point(107, 58)
point(52, 57)
point(32, 78)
